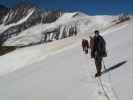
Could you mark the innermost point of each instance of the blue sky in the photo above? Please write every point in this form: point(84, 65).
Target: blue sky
point(93, 7)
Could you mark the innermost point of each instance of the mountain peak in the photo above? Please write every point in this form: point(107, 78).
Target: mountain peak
point(79, 14)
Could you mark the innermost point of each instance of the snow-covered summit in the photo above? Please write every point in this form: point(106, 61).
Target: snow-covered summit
point(27, 25)
point(67, 25)
point(22, 17)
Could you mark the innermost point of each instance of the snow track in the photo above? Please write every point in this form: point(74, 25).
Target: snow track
point(104, 89)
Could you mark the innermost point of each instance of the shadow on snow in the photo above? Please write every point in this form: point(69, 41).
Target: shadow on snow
point(114, 67)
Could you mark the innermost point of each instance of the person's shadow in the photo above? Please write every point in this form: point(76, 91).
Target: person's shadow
point(114, 67)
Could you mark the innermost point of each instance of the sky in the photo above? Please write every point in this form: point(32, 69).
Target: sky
point(94, 7)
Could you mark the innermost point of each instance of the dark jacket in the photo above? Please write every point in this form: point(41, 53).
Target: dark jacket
point(99, 49)
point(85, 43)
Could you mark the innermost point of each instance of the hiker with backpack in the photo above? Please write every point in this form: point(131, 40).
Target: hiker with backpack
point(98, 51)
point(85, 45)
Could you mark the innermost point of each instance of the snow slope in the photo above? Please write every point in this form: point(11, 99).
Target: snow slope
point(67, 74)
point(83, 23)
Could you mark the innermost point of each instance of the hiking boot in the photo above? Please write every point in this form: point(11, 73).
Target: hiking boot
point(97, 74)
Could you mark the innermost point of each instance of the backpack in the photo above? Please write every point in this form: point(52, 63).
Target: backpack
point(102, 47)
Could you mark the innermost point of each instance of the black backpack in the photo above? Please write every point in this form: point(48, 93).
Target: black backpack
point(102, 47)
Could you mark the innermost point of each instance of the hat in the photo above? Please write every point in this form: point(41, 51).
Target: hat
point(96, 32)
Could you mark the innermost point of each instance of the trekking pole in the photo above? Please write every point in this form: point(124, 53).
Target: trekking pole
point(104, 65)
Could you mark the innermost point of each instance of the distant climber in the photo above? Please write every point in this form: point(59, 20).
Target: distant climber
point(85, 45)
point(98, 51)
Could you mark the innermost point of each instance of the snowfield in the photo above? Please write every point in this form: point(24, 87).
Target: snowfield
point(61, 71)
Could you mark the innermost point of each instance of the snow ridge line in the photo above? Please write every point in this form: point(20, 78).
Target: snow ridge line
point(108, 31)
